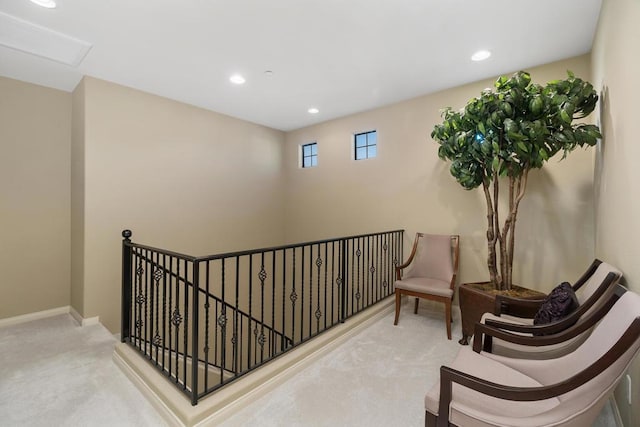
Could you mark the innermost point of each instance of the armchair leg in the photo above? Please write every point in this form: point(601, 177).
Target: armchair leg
point(448, 318)
point(398, 296)
point(415, 307)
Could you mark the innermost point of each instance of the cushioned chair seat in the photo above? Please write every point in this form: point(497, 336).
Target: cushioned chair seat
point(425, 285)
point(471, 408)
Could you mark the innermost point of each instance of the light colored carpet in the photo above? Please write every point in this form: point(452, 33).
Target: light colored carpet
point(56, 373)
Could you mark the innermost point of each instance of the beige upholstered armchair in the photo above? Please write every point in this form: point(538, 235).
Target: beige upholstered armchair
point(432, 268)
point(570, 390)
point(515, 315)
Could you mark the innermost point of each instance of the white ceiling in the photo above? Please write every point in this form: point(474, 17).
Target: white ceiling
point(341, 56)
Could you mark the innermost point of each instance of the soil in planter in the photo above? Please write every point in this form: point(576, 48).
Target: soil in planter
point(515, 291)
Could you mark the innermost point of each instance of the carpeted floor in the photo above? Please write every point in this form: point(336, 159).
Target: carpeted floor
point(55, 373)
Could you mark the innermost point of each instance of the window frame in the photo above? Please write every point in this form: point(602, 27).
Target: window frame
point(367, 145)
point(312, 156)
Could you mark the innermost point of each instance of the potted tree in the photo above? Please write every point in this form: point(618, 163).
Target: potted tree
point(495, 141)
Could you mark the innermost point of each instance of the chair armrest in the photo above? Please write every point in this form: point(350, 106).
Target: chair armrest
point(518, 307)
point(399, 268)
point(541, 335)
point(528, 394)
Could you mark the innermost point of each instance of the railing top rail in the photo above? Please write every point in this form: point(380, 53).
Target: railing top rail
point(253, 251)
point(290, 246)
point(161, 251)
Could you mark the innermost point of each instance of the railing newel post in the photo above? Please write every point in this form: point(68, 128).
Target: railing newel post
point(343, 287)
point(125, 326)
point(194, 328)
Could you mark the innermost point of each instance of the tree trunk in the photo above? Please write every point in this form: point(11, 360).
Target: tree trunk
point(491, 234)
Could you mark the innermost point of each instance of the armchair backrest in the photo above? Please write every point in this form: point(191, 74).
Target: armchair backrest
point(591, 285)
point(434, 256)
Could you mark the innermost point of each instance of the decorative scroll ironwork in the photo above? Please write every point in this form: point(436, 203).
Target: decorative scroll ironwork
point(222, 320)
point(176, 318)
point(141, 299)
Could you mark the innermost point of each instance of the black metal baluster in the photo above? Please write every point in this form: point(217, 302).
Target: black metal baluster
point(235, 322)
point(293, 297)
point(249, 363)
point(318, 313)
point(310, 289)
point(262, 275)
point(195, 351)
point(222, 322)
point(171, 280)
point(272, 344)
point(136, 308)
point(284, 293)
point(333, 274)
point(366, 243)
point(146, 320)
point(185, 330)
point(302, 337)
point(216, 355)
point(326, 262)
point(157, 275)
point(206, 326)
point(177, 319)
point(358, 283)
point(164, 310)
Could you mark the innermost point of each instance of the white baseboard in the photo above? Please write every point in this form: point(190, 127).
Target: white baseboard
point(49, 313)
point(34, 316)
point(81, 320)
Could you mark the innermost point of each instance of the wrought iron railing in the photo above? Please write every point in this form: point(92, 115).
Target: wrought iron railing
point(233, 312)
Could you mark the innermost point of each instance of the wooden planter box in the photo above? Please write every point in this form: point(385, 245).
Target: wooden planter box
point(475, 301)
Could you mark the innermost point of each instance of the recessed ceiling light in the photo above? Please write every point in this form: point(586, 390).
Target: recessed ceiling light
point(480, 55)
point(313, 110)
point(237, 79)
point(268, 73)
point(49, 4)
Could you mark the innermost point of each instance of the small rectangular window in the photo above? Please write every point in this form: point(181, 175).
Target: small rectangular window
point(366, 145)
point(310, 155)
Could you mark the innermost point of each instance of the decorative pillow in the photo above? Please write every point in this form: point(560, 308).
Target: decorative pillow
point(559, 303)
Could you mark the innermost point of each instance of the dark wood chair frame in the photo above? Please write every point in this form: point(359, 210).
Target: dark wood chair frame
point(448, 376)
point(485, 332)
point(455, 247)
point(521, 306)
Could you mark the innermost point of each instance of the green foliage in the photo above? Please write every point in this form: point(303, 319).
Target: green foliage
point(518, 126)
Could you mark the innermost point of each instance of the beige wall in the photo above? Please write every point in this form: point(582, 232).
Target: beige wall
point(34, 197)
point(179, 177)
point(616, 68)
point(407, 186)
